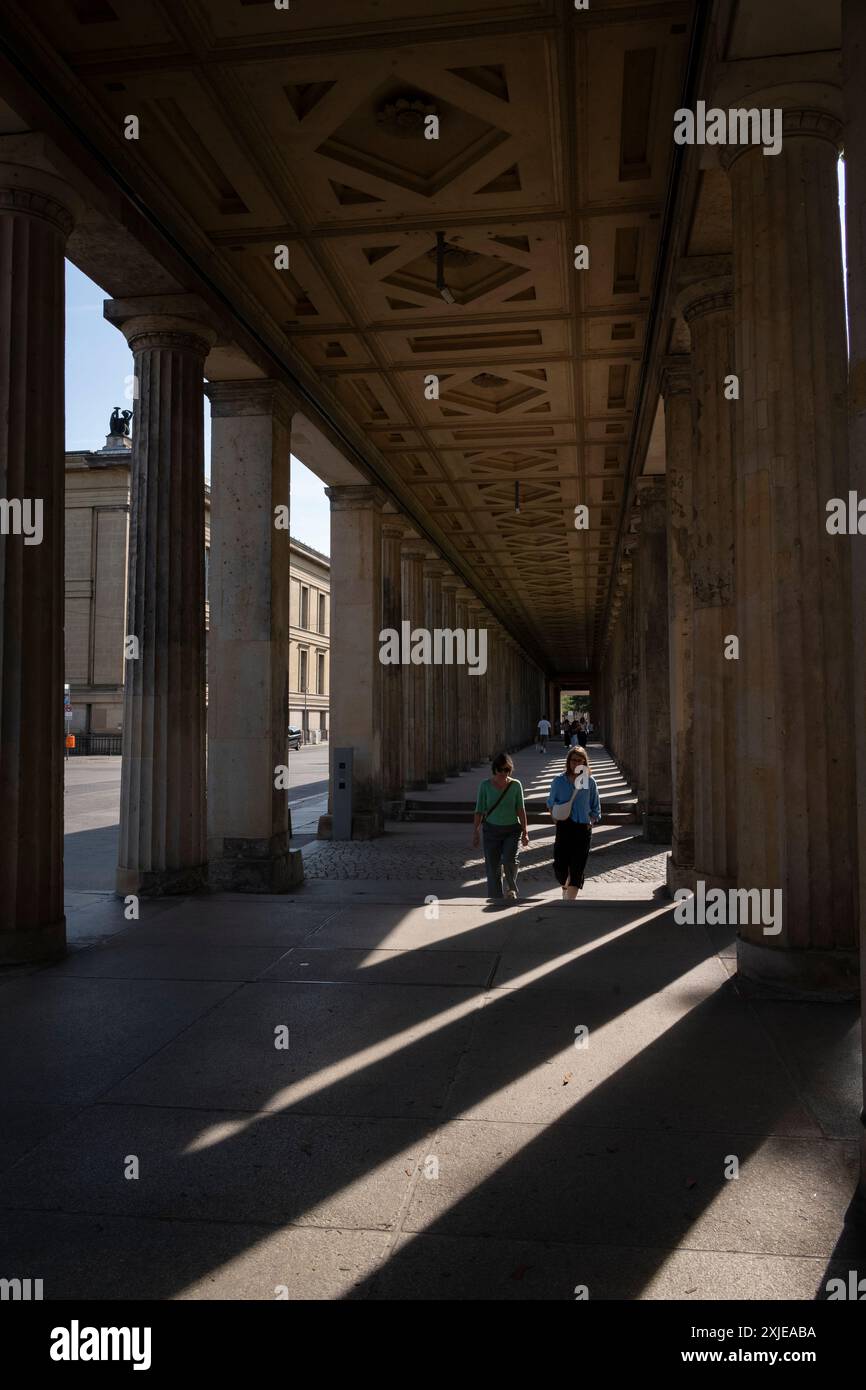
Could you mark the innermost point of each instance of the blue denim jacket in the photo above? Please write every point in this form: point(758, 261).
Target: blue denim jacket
point(586, 807)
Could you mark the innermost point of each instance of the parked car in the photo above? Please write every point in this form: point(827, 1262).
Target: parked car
point(296, 736)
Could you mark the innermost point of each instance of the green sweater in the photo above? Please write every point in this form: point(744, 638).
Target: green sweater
point(506, 811)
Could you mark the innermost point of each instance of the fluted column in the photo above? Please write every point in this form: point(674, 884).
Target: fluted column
point(654, 664)
point(162, 843)
point(436, 733)
point(707, 308)
point(450, 585)
point(393, 534)
point(795, 759)
point(248, 640)
point(485, 691)
point(414, 552)
point(466, 709)
point(854, 68)
point(356, 668)
point(679, 462)
point(36, 216)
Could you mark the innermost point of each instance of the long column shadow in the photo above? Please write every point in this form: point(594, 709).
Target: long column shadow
point(187, 1180)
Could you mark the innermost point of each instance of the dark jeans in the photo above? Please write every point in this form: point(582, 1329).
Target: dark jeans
point(570, 852)
point(500, 856)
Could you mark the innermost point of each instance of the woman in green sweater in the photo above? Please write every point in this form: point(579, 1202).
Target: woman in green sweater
point(500, 810)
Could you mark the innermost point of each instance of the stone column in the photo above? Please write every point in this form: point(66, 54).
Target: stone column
point(162, 791)
point(854, 67)
point(36, 216)
point(248, 641)
point(654, 664)
point(356, 670)
point(413, 554)
point(466, 714)
point(796, 809)
point(676, 388)
point(486, 690)
point(393, 534)
point(707, 308)
point(450, 585)
point(436, 731)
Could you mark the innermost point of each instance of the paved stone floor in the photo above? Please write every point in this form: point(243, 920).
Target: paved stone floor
point(430, 1128)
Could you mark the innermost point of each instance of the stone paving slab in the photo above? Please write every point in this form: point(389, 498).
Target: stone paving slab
point(223, 1166)
point(665, 1062)
point(353, 1049)
point(443, 1268)
point(315, 963)
point(89, 1257)
point(590, 1185)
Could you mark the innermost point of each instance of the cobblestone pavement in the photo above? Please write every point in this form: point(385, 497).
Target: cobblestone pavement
point(627, 860)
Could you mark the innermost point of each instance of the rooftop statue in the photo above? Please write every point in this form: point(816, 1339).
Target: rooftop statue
point(120, 419)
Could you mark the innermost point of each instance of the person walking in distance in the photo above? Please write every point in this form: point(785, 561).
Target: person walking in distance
point(501, 813)
point(543, 732)
point(574, 803)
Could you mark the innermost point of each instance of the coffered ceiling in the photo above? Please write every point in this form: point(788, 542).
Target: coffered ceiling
point(305, 127)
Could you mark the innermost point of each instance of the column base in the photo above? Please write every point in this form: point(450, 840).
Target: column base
point(255, 866)
point(658, 828)
point(366, 825)
point(393, 809)
point(158, 883)
point(33, 945)
point(833, 976)
point(679, 876)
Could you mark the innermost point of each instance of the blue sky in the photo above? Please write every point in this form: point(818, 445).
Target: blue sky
point(97, 365)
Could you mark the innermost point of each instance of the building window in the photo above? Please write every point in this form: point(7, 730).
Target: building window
point(305, 606)
point(302, 672)
point(320, 677)
point(321, 612)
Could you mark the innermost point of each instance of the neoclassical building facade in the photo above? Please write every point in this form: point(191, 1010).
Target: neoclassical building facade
point(96, 565)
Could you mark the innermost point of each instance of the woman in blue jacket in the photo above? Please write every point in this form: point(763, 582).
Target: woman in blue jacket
point(571, 850)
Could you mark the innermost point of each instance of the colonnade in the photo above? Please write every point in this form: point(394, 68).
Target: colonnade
point(419, 722)
point(204, 795)
point(758, 625)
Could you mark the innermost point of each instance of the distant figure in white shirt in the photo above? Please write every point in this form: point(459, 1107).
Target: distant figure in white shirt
point(543, 731)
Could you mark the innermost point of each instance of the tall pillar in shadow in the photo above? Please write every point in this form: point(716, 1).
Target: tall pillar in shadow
point(654, 667)
point(854, 68)
point(436, 732)
point(414, 552)
point(36, 217)
point(706, 304)
point(450, 586)
point(248, 641)
point(676, 388)
point(162, 846)
point(466, 708)
point(796, 809)
point(356, 669)
point(393, 534)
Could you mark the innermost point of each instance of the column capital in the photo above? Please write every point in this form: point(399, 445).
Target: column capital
point(257, 396)
point(651, 501)
point(435, 567)
point(164, 321)
point(451, 582)
point(355, 497)
point(394, 527)
point(798, 120)
point(676, 376)
point(30, 186)
point(414, 547)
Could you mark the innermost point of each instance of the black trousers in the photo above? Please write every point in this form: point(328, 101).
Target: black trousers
point(570, 852)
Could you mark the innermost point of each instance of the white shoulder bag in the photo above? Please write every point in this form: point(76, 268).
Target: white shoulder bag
point(562, 809)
